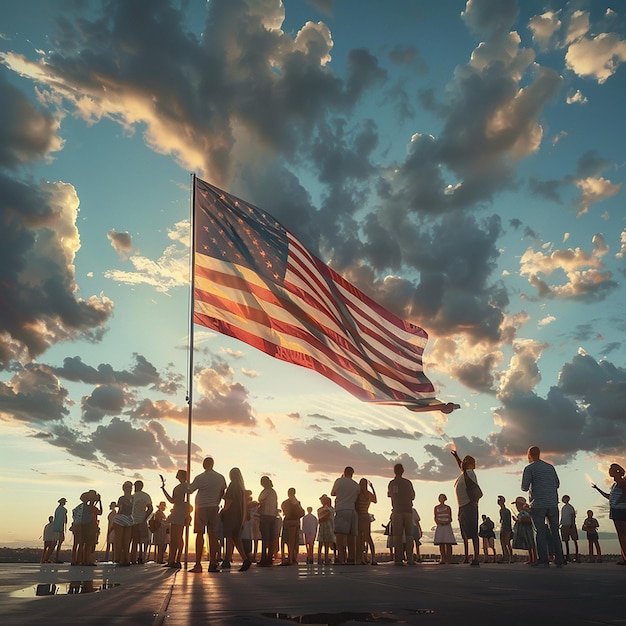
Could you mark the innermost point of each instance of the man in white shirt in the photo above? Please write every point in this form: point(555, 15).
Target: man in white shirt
point(568, 528)
point(210, 487)
point(140, 535)
point(346, 491)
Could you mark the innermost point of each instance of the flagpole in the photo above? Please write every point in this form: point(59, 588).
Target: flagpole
point(189, 398)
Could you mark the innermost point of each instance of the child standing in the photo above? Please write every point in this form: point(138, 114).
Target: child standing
point(523, 533)
point(444, 537)
point(590, 526)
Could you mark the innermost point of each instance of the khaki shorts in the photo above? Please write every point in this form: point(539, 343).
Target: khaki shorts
point(206, 518)
point(569, 532)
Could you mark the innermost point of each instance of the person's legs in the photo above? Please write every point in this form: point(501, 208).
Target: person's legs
point(342, 543)
point(552, 515)
point(620, 527)
point(396, 529)
point(539, 520)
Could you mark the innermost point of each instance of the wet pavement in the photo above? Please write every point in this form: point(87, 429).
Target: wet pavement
point(580, 593)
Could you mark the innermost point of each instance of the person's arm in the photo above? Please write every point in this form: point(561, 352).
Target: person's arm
point(604, 493)
point(526, 478)
point(373, 499)
point(149, 509)
point(169, 498)
point(457, 458)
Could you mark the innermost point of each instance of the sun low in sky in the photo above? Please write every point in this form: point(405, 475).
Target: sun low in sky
point(460, 163)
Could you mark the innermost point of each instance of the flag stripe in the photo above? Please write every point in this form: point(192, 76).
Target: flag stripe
point(256, 282)
point(281, 329)
point(227, 286)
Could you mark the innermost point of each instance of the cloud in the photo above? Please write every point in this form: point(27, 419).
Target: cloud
point(104, 400)
point(596, 57)
point(544, 27)
point(122, 243)
point(26, 133)
point(33, 395)
point(595, 190)
point(585, 279)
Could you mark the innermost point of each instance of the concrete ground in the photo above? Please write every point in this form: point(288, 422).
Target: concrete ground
point(580, 593)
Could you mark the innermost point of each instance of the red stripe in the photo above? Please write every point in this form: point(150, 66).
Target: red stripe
point(261, 318)
point(386, 366)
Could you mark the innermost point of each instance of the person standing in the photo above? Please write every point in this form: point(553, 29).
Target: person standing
point(568, 528)
point(542, 482)
point(292, 513)
point(346, 491)
point(309, 531)
point(210, 486)
point(362, 505)
point(506, 531)
point(444, 537)
point(268, 508)
point(233, 515)
point(140, 533)
point(59, 525)
point(48, 541)
point(123, 525)
point(468, 493)
point(487, 534)
point(110, 532)
point(617, 505)
point(178, 517)
point(590, 526)
point(326, 529)
point(402, 494)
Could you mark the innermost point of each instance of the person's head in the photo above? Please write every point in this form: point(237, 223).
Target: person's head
point(501, 501)
point(309, 509)
point(138, 485)
point(589, 513)
point(62, 501)
point(468, 463)
point(565, 499)
point(50, 518)
point(442, 498)
point(363, 484)
point(398, 469)
point(484, 517)
point(348, 472)
point(236, 476)
point(533, 454)
point(266, 482)
point(519, 502)
point(181, 475)
point(208, 463)
point(84, 497)
point(112, 506)
point(127, 487)
point(325, 500)
point(616, 471)
point(291, 492)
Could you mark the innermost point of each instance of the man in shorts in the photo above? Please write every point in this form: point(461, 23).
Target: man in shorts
point(568, 528)
point(210, 487)
point(402, 494)
point(346, 491)
point(140, 534)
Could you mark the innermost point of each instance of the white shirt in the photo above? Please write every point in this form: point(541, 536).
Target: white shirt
point(210, 486)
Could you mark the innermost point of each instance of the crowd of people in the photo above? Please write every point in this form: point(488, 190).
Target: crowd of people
point(266, 533)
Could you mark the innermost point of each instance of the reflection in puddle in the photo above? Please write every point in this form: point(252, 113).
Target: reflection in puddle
point(69, 588)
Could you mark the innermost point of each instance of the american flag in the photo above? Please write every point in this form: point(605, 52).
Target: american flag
point(253, 280)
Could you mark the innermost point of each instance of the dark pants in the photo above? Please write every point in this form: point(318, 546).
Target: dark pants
point(267, 527)
point(539, 516)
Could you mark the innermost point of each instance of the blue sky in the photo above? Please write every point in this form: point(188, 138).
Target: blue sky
point(463, 164)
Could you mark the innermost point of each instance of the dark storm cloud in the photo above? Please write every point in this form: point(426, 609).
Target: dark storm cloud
point(38, 241)
point(33, 395)
point(26, 133)
point(104, 400)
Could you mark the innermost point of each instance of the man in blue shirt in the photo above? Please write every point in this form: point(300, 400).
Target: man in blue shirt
point(541, 481)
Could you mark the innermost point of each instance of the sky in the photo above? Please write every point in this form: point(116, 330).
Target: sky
point(461, 163)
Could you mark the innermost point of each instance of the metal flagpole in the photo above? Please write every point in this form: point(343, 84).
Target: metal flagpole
point(191, 349)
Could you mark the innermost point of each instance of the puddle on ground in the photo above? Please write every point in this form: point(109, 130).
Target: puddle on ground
point(65, 588)
point(336, 619)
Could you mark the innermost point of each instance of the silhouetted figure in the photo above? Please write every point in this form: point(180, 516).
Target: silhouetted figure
point(363, 501)
point(210, 487)
point(179, 517)
point(487, 534)
point(233, 515)
point(506, 531)
point(468, 493)
point(123, 525)
point(110, 532)
point(444, 537)
point(309, 532)
point(326, 529)
point(59, 526)
point(568, 528)
point(292, 513)
point(541, 481)
point(523, 531)
point(49, 541)
point(268, 508)
point(590, 526)
point(617, 505)
point(346, 490)
point(142, 510)
point(402, 494)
